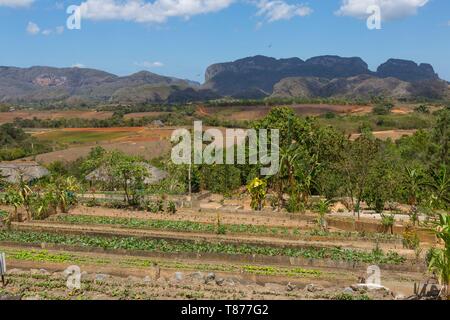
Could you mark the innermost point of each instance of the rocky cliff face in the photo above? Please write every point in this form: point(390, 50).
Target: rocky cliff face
point(406, 70)
point(363, 86)
point(255, 77)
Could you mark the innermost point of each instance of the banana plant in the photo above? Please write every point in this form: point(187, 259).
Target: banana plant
point(439, 262)
point(13, 197)
point(439, 184)
point(65, 189)
point(26, 194)
point(257, 189)
point(322, 208)
point(413, 184)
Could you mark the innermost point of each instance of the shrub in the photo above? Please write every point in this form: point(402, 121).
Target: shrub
point(410, 239)
point(422, 109)
point(388, 220)
point(257, 189)
point(383, 109)
point(171, 207)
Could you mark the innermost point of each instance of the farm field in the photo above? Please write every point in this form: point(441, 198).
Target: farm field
point(148, 143)
point(146, 149)
point(258, 112)
point(91, 135)
point(152, 252)
point(6, 117)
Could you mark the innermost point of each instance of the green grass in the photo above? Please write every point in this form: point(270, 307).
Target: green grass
point(158, 245)
point(79, 137)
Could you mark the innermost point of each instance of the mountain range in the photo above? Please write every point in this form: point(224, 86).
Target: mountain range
point(252, 77)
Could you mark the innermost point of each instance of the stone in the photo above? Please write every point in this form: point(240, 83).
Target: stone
point(44, 271)
point(101, 277)
point(348, 290)
point(313, 288)
point(179, 276)
point(197, 276)
point(220, 281)
point(229, 282)
point(291, 287)
point(210, 277)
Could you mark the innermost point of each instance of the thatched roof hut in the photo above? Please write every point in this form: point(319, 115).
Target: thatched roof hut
point(102, 174)
point(12, 171)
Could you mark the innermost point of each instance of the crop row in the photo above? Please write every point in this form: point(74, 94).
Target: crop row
point(159, 245)
point(63, 257)
point(189, 226)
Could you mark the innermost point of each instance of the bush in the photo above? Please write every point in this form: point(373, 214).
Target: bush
point(422, 109)
point(171, 207)
point(151, 207)
point(388, 220)
point(294, 206)
point(410, 239)
point(383, 109)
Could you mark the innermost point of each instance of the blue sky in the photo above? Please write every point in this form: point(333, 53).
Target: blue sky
point(182, 37)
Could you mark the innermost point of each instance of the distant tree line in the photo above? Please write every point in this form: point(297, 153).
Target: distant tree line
point(16, 143)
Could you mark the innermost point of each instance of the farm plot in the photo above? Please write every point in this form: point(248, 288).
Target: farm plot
point(275, 255)
point(6, 117)
point(110, 276)
point(258, 112)
point(146, 142)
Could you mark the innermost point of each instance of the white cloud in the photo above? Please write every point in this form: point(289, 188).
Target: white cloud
point(78, 65)
point(157, 11)
point(59, 30)
point(149, 65)
point(33, 28)
point(390, 9)
point(280, 10)
point(16, 3)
